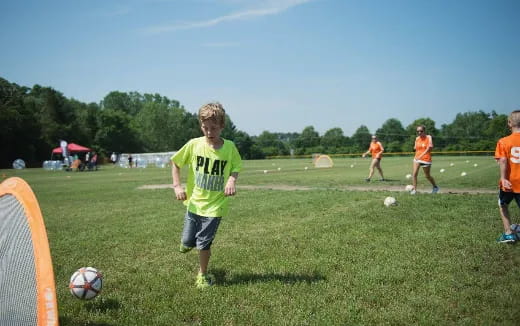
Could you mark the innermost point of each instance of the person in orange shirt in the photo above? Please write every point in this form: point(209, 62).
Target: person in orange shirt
point(376, 148)
point(507, 154)
point(423, 158)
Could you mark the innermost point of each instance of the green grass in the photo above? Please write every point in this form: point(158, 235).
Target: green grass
point(325, 256)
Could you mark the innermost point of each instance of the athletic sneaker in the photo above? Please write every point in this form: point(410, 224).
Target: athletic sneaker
point(184, 249)
point(435, 190)
point(204, 280)
point(413, 192)
point(507, 238)
point(367, 179)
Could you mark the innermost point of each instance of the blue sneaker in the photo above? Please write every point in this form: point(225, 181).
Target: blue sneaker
point(435, 190)
point(507, 238)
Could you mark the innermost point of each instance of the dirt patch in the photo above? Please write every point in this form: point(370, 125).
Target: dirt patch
point(345, 188)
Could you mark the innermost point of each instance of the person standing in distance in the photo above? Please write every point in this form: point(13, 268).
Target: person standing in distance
point(377, 149)
point(213, 167)
point(423, 158)
point(507, 154)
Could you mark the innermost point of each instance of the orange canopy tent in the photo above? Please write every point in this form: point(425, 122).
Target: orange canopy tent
point(72, 148)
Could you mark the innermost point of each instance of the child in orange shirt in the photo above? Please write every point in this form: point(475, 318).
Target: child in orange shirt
point(507, 154)
point(423, 147)
point(376, 148)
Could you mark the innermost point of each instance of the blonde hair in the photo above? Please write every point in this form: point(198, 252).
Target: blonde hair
point(213, 111)
point(514, 119)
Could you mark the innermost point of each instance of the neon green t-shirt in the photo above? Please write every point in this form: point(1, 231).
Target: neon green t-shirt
point(209, 170)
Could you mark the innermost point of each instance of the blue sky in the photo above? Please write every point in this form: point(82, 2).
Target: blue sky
point(275, 65)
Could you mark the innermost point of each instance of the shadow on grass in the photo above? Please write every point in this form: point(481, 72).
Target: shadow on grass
point(98, 305)
point(248, 278)
point(66, 321)
point(103, 305)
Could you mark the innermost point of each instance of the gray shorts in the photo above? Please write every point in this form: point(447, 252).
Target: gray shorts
point(199, 231)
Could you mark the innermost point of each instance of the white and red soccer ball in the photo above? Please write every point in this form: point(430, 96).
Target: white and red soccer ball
point(86, 283)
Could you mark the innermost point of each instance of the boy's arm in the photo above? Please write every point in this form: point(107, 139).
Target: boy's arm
point(230, 189)
point(180, 194)
point(502, 162)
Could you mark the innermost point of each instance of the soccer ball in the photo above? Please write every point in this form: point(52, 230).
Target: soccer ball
point(19, 164)
point(408, 176)
point(390, 201)
point(409, 187)
point(86, 283)
point(463, 174)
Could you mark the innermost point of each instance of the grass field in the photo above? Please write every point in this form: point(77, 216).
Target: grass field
point(320, 255)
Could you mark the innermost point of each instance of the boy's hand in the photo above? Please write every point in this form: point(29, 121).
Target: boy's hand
point(506, 184)
point(180, 194)
point(230, 189)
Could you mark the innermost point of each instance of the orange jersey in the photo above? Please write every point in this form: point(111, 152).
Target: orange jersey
point(422, 144)
point(376, 148)
point(509, 148)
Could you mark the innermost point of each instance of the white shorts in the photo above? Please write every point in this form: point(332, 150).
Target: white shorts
point(422, 163)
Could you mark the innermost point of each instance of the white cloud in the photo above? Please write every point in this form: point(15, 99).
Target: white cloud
point(261, 8)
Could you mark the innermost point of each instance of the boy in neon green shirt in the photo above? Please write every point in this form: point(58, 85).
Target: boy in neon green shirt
point(214, 164)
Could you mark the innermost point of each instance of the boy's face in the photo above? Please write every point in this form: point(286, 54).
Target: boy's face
point(211, 129)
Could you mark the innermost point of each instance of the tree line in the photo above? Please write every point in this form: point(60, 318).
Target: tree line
point(35, 119)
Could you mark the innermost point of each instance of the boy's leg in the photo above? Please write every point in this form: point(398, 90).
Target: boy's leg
point(504, 198)
point(414, 174)
point(204, 256)
point(378, 166)
point(370, 170)
point(506, 221)
point(205, 237)
point(426, 170)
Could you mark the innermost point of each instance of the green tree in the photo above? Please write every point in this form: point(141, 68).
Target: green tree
point(20, 131)
point(271, 145)
point(246, 146)
point(465, 132)
point(117, 132)
point(497, 127)
point(332, 140)
point(392, 135)
point(361, 139)
point(308, 138)
point(130, 103)
point(391, 130)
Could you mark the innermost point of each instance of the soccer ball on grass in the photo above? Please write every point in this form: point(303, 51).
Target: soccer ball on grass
point(86, 283)
point(390, 201)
